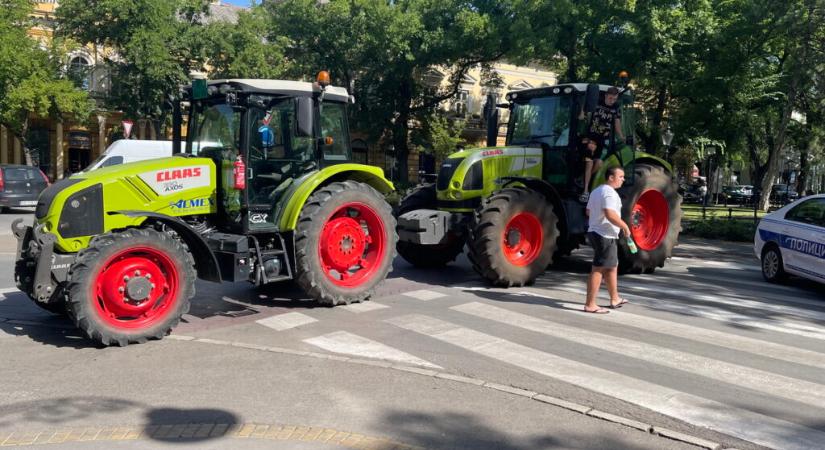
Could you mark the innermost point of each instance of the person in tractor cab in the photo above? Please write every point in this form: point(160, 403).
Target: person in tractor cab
point(592, 164)
point(606, 118)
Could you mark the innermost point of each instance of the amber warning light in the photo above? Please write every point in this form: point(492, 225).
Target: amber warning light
point(323, 78)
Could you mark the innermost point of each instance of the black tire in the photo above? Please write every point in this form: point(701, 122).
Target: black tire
point(648, 177)
point(488, 251)
point(426, 256)
point(773, 268)
point(321, 209)
point(104, 259)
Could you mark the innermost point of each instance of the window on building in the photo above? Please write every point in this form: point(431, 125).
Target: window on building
point(461, 103)
point(80, 71)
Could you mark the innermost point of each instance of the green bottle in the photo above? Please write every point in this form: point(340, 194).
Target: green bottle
point(631, 245)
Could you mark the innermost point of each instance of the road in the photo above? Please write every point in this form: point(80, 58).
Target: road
point(439, 360)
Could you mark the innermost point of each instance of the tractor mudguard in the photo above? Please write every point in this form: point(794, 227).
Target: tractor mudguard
point(627, 155)
point(302, 188)
point(206, 263)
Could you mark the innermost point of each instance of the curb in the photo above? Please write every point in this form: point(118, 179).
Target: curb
point(532, 395)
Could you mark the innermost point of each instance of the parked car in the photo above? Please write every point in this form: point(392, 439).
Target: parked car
point(130, 150)
point(791, 240)
point(694, 193)
point(783, 193)
point(741, 194)
point(20, 185)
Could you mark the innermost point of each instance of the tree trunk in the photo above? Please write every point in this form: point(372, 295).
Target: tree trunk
point(401, 132)
point(655, 138)
point(790, 100)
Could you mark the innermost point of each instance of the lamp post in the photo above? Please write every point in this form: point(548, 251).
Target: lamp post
point(710, 150)
point(667, 138)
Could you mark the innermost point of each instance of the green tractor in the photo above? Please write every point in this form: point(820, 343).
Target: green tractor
point(518, 206)
point(261, 189)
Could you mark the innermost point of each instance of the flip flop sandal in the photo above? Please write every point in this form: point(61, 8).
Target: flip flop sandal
point(597, 311)
point(621, 303)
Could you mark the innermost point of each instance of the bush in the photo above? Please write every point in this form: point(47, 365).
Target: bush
point(726, 229)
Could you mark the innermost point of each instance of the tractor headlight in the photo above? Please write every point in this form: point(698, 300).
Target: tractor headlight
point(456, 195)
point(82, 214)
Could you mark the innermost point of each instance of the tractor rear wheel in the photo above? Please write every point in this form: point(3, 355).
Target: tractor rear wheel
point(651, 206)
point(130, 286)
point(513, 237)
point(427, 256)
point(344, 243)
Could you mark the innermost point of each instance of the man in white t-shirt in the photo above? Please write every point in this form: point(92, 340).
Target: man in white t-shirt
point(604, 209)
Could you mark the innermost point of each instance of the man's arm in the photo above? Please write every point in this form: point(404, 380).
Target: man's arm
point(618, 124)
point(613, 217)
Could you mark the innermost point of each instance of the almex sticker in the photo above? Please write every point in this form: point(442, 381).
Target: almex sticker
point(173, 181)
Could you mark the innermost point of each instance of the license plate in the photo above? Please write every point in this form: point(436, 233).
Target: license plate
point(28, 203)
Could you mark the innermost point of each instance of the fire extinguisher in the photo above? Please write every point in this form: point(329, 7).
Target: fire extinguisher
point(239, 174)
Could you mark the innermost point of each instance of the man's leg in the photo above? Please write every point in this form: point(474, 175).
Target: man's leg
point(593, 283)
point(588, 171)
point(611, 278)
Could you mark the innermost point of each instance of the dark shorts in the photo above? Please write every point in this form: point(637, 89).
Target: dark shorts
point(605, 250)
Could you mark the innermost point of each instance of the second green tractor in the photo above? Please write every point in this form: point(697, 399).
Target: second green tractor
point(516, 207)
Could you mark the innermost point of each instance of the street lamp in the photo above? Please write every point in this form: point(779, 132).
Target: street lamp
point(710, 151)
point(667, 138)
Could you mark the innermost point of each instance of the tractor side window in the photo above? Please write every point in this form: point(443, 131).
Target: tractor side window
point(217, 133)
point(334, 132)
point(544, 120)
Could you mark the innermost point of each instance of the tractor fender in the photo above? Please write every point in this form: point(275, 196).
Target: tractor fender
point(303, 187)
point(206, 263)
point(627, 155)
point(548, 191)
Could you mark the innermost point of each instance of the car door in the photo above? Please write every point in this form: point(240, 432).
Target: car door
point(804, 239)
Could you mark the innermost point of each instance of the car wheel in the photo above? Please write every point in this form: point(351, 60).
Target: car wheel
point(772, 266)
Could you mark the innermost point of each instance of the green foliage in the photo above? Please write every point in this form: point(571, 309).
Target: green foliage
point(32, 79)
point(442, 134)
point(729, 230)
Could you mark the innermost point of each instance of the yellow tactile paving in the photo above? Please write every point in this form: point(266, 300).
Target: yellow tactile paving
point(199, 431)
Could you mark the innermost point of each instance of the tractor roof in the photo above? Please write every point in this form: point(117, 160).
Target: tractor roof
point(282, 87)
point(559, 88)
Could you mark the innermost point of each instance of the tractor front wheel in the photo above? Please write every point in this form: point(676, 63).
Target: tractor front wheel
point(514, 236)
point(651, 206)
point(344, 243)
point(130, 286)
point(427, 256)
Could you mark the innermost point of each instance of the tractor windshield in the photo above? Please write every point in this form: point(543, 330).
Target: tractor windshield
point(543, 120)
point(215, 130)
point(272, 133)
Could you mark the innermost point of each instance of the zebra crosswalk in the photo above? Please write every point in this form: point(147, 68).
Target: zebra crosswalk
point(745, 365)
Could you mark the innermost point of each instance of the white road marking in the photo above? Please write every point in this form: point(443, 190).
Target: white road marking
point(351, 344)
point(363, 307)
point(713, 337)
point(718, 314)
point(425, 295)
point(742, 423)
point(749, 378)
point(286, 321)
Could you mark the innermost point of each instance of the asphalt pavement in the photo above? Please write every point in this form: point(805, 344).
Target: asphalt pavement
point(706, 352)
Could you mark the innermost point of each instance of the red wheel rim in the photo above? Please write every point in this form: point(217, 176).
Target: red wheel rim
point(522, 239)
point(137, 288)
point(352, 244)
point(650, 219)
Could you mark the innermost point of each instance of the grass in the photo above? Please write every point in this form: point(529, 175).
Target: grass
point(694, 212)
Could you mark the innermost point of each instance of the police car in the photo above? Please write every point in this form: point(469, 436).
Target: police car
point(791, 240)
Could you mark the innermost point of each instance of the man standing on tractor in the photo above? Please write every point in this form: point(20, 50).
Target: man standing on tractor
point(607, 114)
point(605, 221)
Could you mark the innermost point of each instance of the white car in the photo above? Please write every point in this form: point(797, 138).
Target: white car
point(791, 240)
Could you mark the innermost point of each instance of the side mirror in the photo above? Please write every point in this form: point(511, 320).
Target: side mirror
point(305, 115)
point(492, 128)
point(591, 99)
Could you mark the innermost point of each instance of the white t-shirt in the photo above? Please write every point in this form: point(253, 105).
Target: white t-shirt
point(603, 197)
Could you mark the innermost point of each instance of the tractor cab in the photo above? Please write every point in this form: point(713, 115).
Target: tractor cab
point(264, 136)
point(556, 119)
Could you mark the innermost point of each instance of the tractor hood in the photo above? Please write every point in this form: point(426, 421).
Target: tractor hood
point(87, 203)
point(469, 175)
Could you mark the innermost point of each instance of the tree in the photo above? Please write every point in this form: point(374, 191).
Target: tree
point(33, 81)
point(384, 50)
